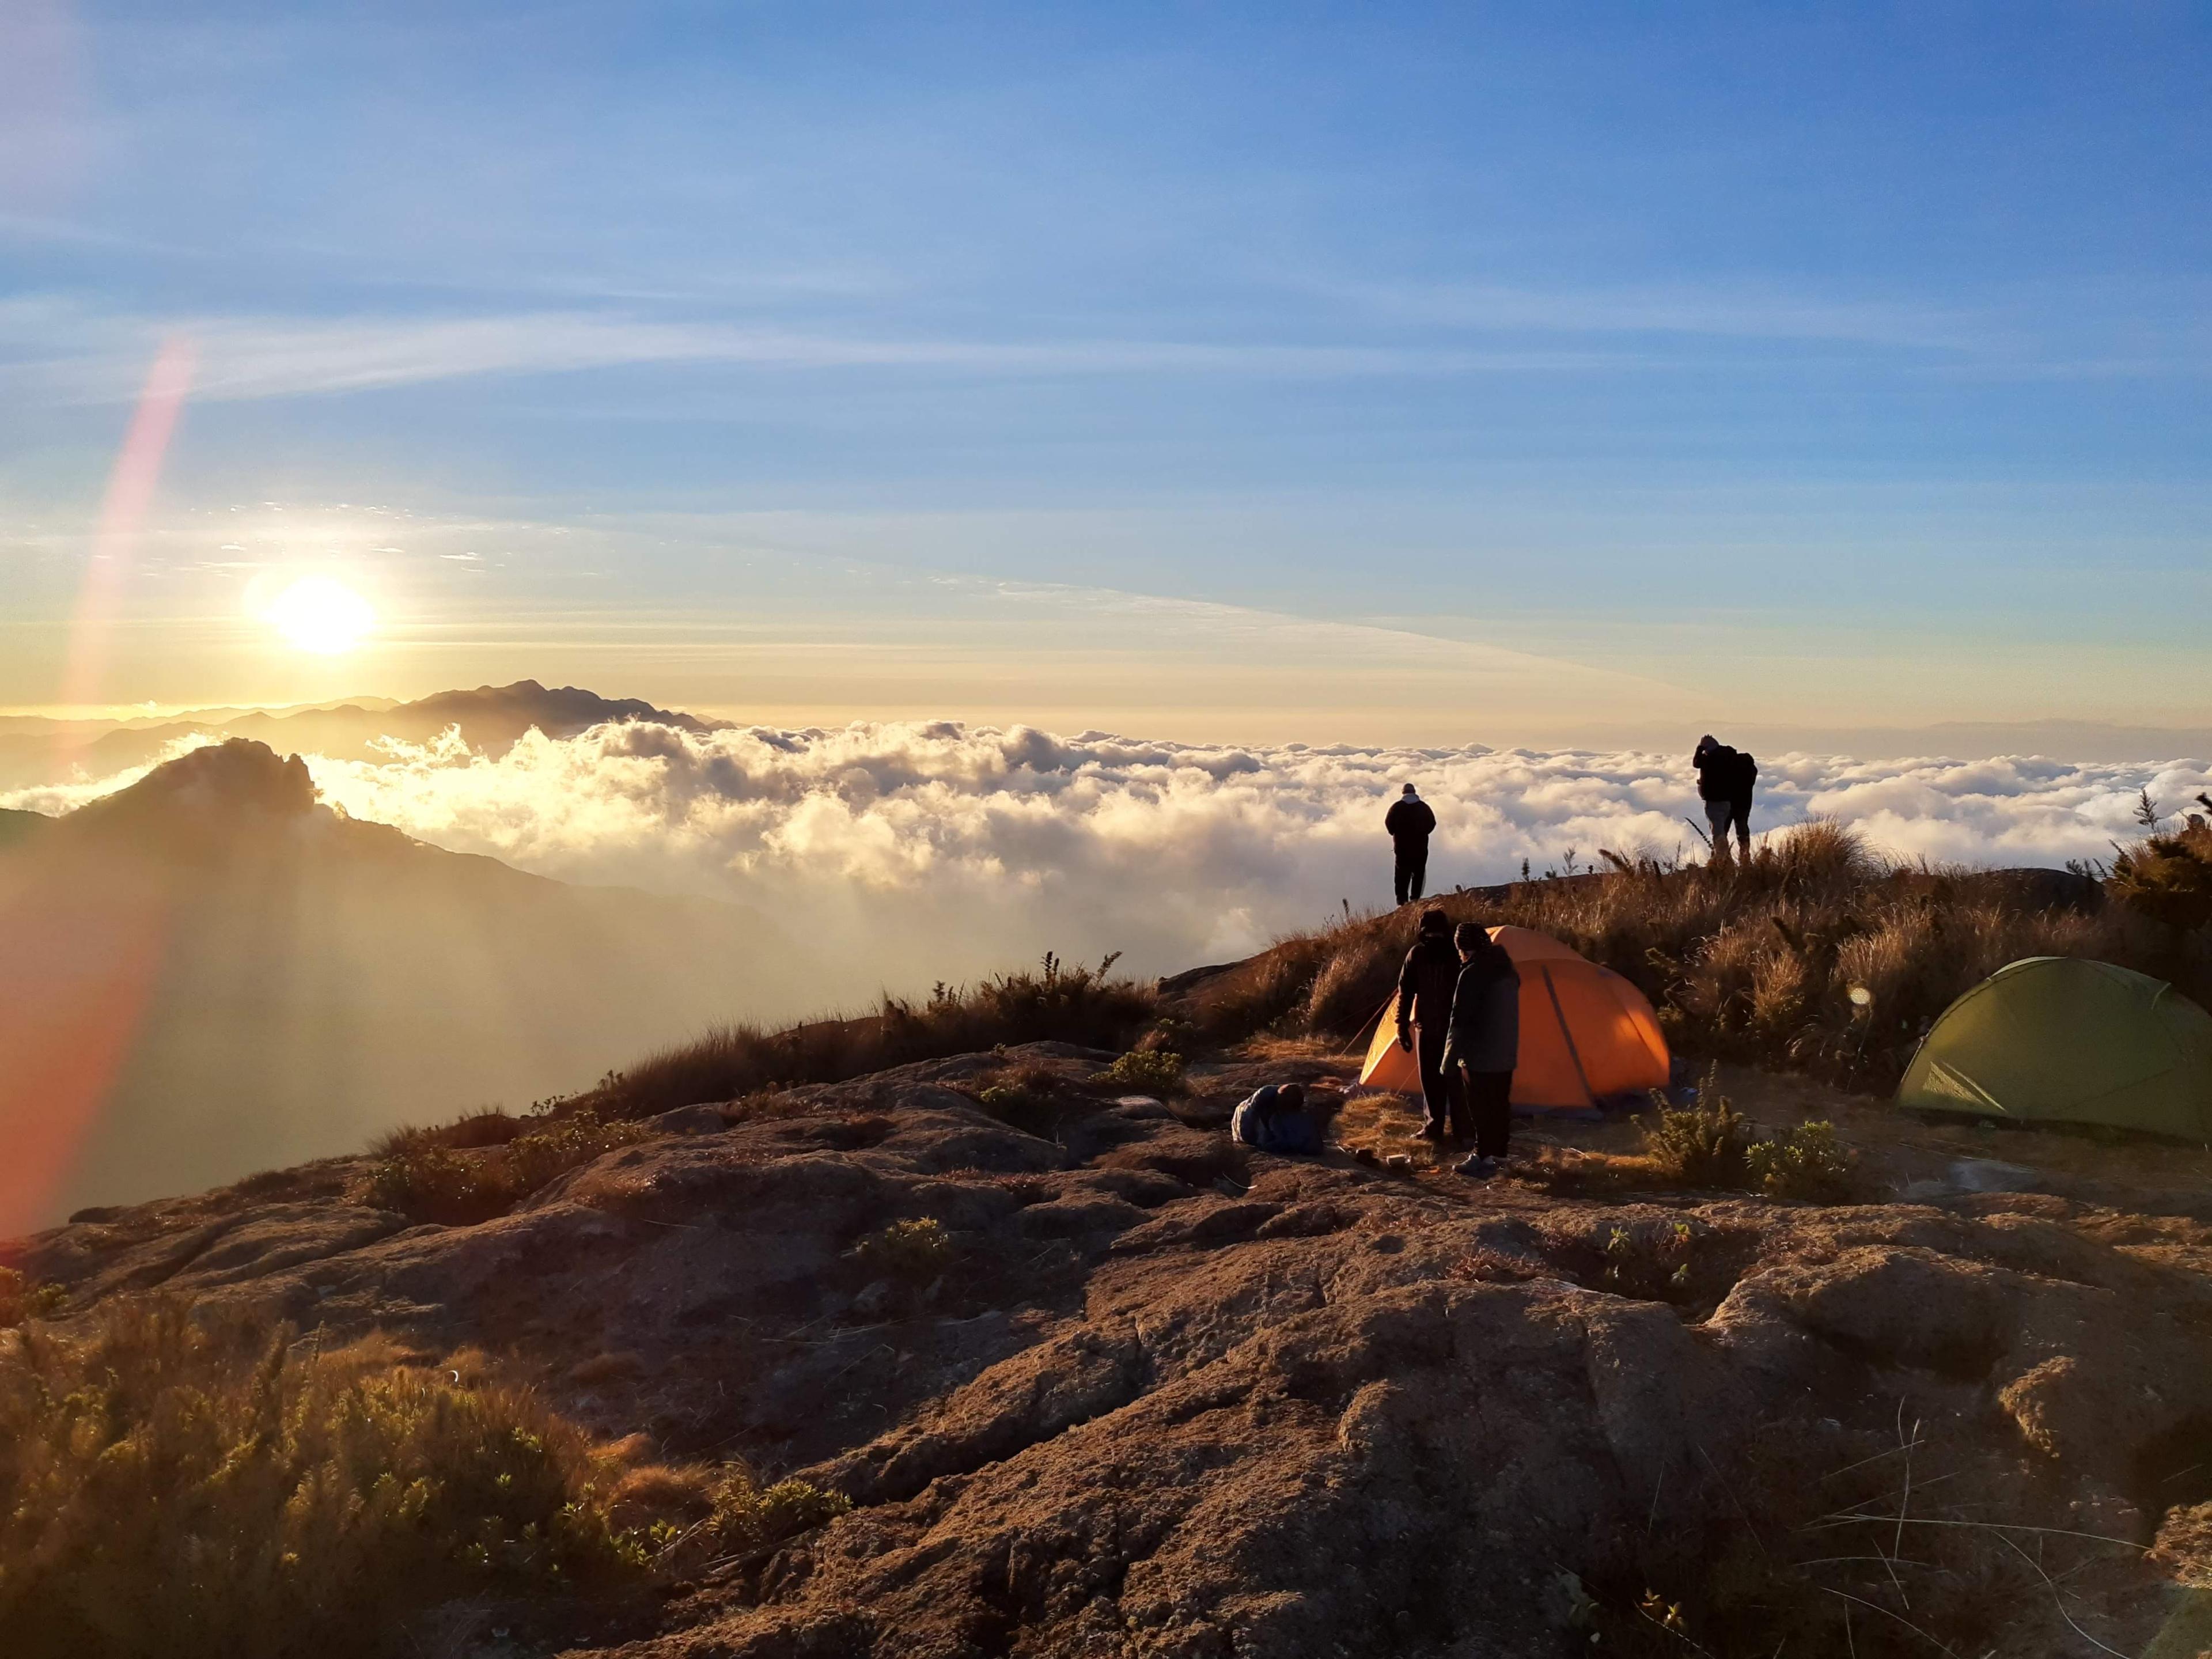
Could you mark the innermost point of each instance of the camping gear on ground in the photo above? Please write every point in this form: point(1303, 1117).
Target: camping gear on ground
point(2065, 1040)
point(1586, 1033)
point(1266, 1123)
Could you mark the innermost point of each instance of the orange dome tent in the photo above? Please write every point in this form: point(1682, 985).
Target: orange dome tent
point(1585, 1032)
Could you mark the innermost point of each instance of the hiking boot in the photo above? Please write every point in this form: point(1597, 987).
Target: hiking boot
point(1432, 1131)
point(1479, 1168)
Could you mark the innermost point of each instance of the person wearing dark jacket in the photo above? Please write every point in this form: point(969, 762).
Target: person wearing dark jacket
point(1410, 823)
point(1424, 998)
point(1726, 779)
point(1483, 1044)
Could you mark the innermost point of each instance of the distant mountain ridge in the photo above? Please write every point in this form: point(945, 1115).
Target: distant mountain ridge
point(210, 972)
point(490, 717)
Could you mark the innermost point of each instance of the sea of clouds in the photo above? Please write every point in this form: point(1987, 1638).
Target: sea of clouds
point(892, 856)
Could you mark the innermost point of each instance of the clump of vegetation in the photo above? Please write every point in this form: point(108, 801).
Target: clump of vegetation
point(1155, 1071)
point(2168, 876)
point(1706, 1145)
point(1026, 1098)
point(911, 1253)
point(1051, 1003)
point(686, 1520)
point(1650, 1266)
point(419, 1174)
point(190, 1487)
point(22, 1299)
point(1810, 1162)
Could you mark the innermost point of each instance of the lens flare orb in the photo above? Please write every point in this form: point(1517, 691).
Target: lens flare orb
point(321, 615)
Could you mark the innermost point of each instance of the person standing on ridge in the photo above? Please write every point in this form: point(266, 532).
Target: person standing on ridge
point(1726, 779)
point(1483, 1045)
point(1424, 999)
point(1410, 823)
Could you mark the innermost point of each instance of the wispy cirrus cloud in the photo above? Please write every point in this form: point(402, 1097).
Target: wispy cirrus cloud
point(1719, 311)
point(71, 352)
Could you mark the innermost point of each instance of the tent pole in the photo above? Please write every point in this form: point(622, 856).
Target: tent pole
point(1567, 1031)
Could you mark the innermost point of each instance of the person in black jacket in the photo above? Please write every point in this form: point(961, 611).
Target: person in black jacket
point(1410, 823)
point(1424, 996)
point(1484, 1045)
point(1726, 778)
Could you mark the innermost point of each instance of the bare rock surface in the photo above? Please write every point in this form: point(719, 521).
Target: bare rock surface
point(1164, 1397)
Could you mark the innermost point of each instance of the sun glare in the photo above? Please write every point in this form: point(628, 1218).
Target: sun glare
point(322, 615)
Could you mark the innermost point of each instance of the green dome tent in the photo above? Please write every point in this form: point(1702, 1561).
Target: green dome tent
point(2063, 1040)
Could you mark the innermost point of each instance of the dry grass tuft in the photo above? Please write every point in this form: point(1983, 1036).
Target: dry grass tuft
point(1053, 1003)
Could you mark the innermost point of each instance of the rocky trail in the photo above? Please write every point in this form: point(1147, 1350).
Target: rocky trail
point(1138, 1392)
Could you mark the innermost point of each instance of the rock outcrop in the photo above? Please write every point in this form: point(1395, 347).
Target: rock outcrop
point(1160, 1397)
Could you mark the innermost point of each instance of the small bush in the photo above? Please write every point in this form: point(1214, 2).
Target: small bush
point(912, 1253)
point(1810, 1162)
point(2169, 876)
point(1702, 1146)
point(429, 1182)
point(204, 1490)
point(1653, 1266)
point(692, 1519)
point(22, 1299)
point(1155, 1071)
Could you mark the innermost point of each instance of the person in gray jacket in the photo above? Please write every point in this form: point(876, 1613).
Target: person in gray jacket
point(1483, 1044)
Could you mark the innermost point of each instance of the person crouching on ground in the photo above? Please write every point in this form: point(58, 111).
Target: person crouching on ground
point(1484, 1045)
point(1410, 823)
point(1425, 1001)
point(1275, 1118)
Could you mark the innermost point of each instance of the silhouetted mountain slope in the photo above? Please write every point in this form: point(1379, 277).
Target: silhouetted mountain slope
point(208, 973)
point(491, 717)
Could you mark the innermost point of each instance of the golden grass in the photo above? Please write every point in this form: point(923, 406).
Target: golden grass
point(1090, 1006)
point(180, 1484)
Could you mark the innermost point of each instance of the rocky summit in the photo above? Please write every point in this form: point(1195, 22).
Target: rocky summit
point(1118, 1386)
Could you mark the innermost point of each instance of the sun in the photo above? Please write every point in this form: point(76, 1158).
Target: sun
point(322, 615)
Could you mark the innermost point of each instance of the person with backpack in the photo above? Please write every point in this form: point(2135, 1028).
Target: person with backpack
point(1483, 1045)
point(1411, 824)
point(1424, 1000)
point(1726, 779)
point(1273, 1118)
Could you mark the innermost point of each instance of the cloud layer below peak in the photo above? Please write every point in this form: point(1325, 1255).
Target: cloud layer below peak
point(900, 853)
point(907, 853)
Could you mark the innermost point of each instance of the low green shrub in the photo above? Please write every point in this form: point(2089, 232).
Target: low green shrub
point(1810, 1162)
point(1650, 1265)
point(1155, 1071)
point(907, 1252)
point(424, 1179)
point(1706, 1145)
point(21, 1299)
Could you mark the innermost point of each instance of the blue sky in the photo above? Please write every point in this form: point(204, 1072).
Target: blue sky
point(1002, 357)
